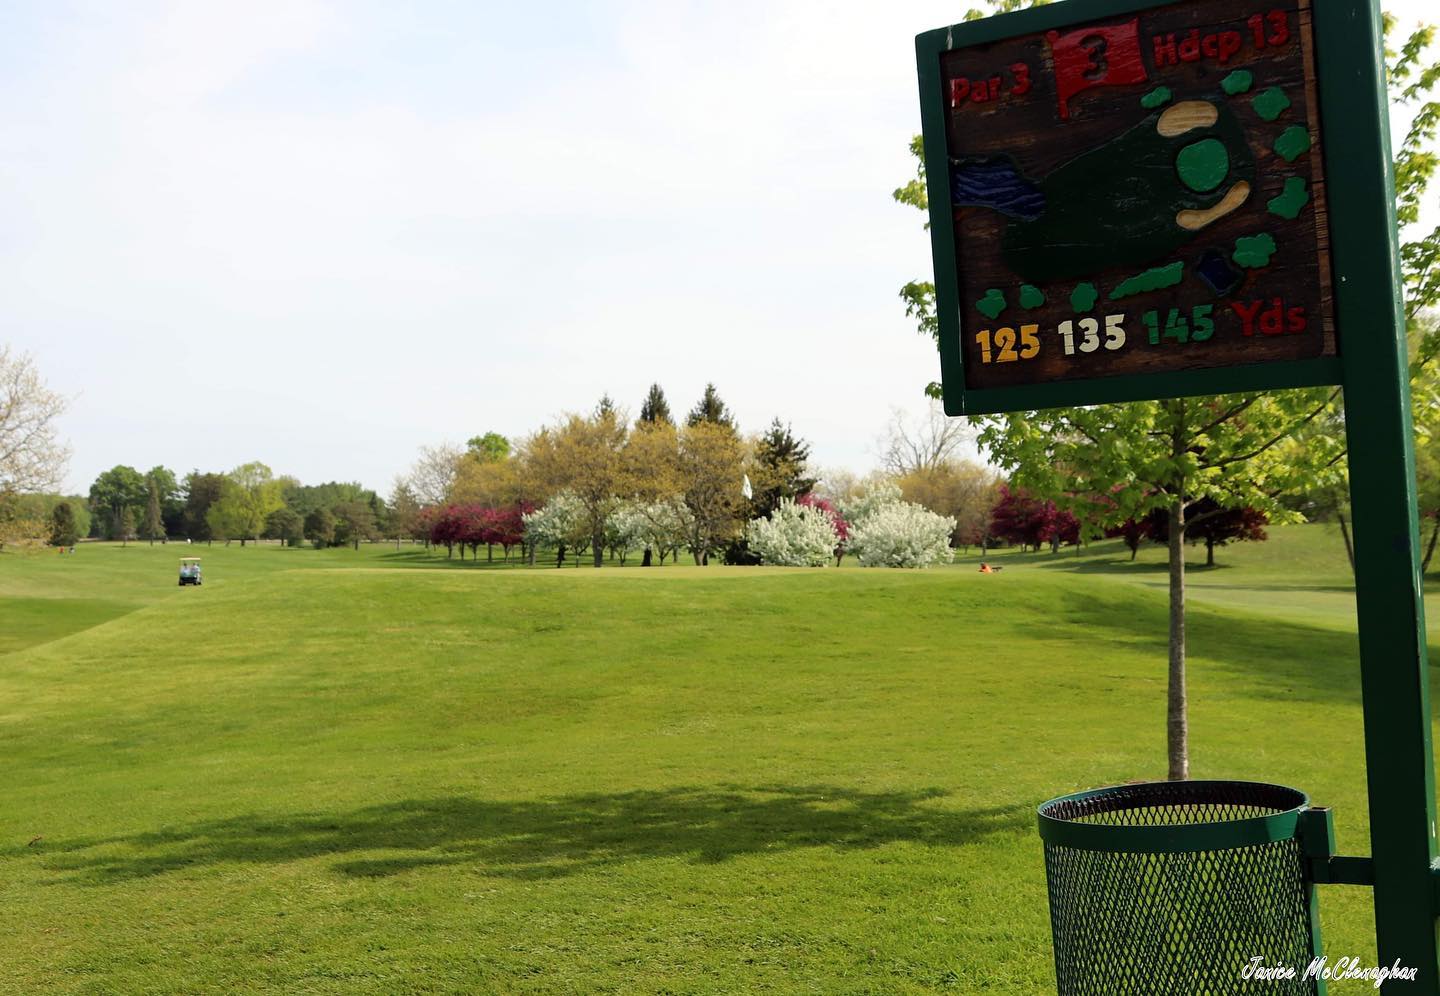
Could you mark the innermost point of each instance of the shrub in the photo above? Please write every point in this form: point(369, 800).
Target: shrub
point(794, 536)
point(842, 528)
point(899, 534)
point(879, 495)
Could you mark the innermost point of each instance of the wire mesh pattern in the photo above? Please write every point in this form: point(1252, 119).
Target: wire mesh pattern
point(1178, 922)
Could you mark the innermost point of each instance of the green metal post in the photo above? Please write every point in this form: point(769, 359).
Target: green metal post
point(1388, 587)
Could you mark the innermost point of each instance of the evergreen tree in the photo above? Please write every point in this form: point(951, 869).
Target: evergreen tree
point(153, 527)
point(126, 526)
point(64, 531)
point(655, 408)
point(605, 408)
point(780, 460)
point(710, 409)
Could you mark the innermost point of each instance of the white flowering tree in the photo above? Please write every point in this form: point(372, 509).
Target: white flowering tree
point(562, 523)
point(857, 507)
point(626, 529)
point(888, 532)
point(670, 526)
point(793, 536)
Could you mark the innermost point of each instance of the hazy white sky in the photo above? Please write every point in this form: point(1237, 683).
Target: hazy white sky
point(322, 234)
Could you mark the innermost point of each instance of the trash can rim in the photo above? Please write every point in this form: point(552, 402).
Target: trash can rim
point(1167, 838)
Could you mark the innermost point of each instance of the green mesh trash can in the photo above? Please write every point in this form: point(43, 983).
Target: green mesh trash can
point(1173, 887)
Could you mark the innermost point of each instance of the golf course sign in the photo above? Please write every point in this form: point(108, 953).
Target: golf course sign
point(1127, 196)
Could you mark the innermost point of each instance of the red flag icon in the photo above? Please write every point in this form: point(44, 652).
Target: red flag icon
point(1095, 57)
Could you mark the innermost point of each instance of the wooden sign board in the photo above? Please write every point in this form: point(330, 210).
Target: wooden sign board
point(1127, 205)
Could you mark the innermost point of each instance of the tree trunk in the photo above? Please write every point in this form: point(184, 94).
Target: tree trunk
point(489, 553)
point(1177, 724)
point(1430, 550)
point(598, 542)
point(645, 562)
point(1209, 551)
point(1349, 546)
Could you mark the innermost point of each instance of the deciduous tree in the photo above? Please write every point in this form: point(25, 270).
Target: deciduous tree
point(584, 456)
point(793, 535)
point(489, 448)
point(354, 523)
point(711, 462)
point(248, 498)
point(432, 475)
point(563, 522)
point(921, 445)
point(286, 525)
point(842, 528)
point(1170, 455)
point(32, 458)
point(1213, 525)
point(963, 490)
point(319, 528)
point(115, 490)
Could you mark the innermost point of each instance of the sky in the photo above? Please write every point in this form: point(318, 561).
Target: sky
point(323, 235)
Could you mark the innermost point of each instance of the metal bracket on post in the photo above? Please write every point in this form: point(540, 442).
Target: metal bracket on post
point(1322, 864)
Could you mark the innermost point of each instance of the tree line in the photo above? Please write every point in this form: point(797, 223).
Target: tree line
point(244, 504)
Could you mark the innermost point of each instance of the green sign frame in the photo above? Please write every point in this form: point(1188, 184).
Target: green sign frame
point(1372, 366)
point(1338, 60)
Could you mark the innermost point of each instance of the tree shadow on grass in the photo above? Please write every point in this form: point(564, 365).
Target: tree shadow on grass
point(547, 838)
point(1268, 658)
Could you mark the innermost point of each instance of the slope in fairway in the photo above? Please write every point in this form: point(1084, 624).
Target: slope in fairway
point(314, 776)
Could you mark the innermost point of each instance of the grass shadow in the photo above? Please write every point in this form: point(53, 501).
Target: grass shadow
point(545, 838)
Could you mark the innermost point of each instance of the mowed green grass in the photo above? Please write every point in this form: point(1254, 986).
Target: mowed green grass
point(337, 773)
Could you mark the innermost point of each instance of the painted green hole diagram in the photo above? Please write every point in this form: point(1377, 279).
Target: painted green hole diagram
point(1254, 251)
point(1203, 165)
point(1237, 82)
point(1292, 198)
point(1083, 297)
point(1031, 296)
point(1292, 143)
point(991, 304)
point(1271, 103)
point(1157, 97)
point(1151, 280)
